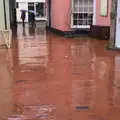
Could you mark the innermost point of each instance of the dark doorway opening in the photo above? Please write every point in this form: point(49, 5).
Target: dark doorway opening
point(49, 13)
point(30, 7)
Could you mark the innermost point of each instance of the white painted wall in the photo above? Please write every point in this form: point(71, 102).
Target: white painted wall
point(2, 19)
point(7, 13)
point(117, 38)
point(24, 6)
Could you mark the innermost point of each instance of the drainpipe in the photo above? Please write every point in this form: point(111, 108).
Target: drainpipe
point(5, 15)
point(113, 17)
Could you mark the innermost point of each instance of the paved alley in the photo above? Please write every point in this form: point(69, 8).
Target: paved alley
point(48, 77)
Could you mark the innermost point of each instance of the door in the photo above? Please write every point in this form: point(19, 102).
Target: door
point(49, 13)
point(30, 7)
point(82, 13)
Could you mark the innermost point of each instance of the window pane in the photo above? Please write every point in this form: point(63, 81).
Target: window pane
point(74, 22)
point(75, 16)
point(40, 9)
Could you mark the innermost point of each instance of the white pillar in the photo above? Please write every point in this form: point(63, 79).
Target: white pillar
point(2, 22)
point(117, 34)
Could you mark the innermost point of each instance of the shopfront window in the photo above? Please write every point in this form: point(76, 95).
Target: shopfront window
point(40, 9)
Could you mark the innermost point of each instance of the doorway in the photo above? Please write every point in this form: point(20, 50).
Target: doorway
point(49, 13)
point(30, 7)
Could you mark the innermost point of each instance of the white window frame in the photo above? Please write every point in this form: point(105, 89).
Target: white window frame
point(84, 26)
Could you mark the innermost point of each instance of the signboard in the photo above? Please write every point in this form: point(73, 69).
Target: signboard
point(103, 7)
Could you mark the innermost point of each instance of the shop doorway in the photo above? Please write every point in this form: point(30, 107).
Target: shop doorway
point(30, 7)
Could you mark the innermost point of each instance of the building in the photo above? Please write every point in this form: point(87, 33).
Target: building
point(36, 5)
point(66, 15)
point(8, 16)
point(117, 28)
point(114, 41)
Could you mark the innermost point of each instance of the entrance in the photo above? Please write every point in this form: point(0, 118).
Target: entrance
point(30, 7)
point(49, 13)
point(82, 13)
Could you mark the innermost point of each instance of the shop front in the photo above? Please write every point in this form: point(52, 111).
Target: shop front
point(36, 5)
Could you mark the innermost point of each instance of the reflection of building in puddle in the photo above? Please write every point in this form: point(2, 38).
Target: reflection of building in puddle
point(83, 89)
point(33, 52)
point(41, 112)
point(83, 92)
point(36, 112)
point(9, 59)
point(78, 52)
point(116, 83)
point(32, 33)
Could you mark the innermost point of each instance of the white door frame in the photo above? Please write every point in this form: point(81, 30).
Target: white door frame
point(84, 26)
point(117, 34)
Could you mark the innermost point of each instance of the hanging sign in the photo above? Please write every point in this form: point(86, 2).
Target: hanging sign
point(104, 7)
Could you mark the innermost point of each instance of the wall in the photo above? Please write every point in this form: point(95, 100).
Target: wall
point(60, 14)
point(2, 19)
point(61, 20)
point(100, 20)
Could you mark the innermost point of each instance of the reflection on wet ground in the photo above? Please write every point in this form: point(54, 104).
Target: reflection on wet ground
point(45, 76)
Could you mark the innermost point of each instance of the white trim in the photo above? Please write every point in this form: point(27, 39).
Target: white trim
point(81, 26)
point(94, 12)
point(117, 34)
point(71, 13)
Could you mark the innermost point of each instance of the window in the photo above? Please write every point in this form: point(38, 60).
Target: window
point(82, 13)
point(40, 9)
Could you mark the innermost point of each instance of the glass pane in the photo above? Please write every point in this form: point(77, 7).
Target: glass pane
point(81, 2)
point(81, 9)
point(86, 2)
point(84, 22)
point(74, 22)
point(91, 2)
point(80, 16)
point(89, 22)
point(75, 2)
point(79, 22)
point(86, 9)
point(90, 16)
point(91, 9)
point(40, 9)
point(85, 16)
point(75, 16)
point(76, 9)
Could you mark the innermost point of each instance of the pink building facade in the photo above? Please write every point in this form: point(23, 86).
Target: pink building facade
point(66, 15)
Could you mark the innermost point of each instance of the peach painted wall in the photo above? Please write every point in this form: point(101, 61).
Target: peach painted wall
point(60, 14)
point(100, 20)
